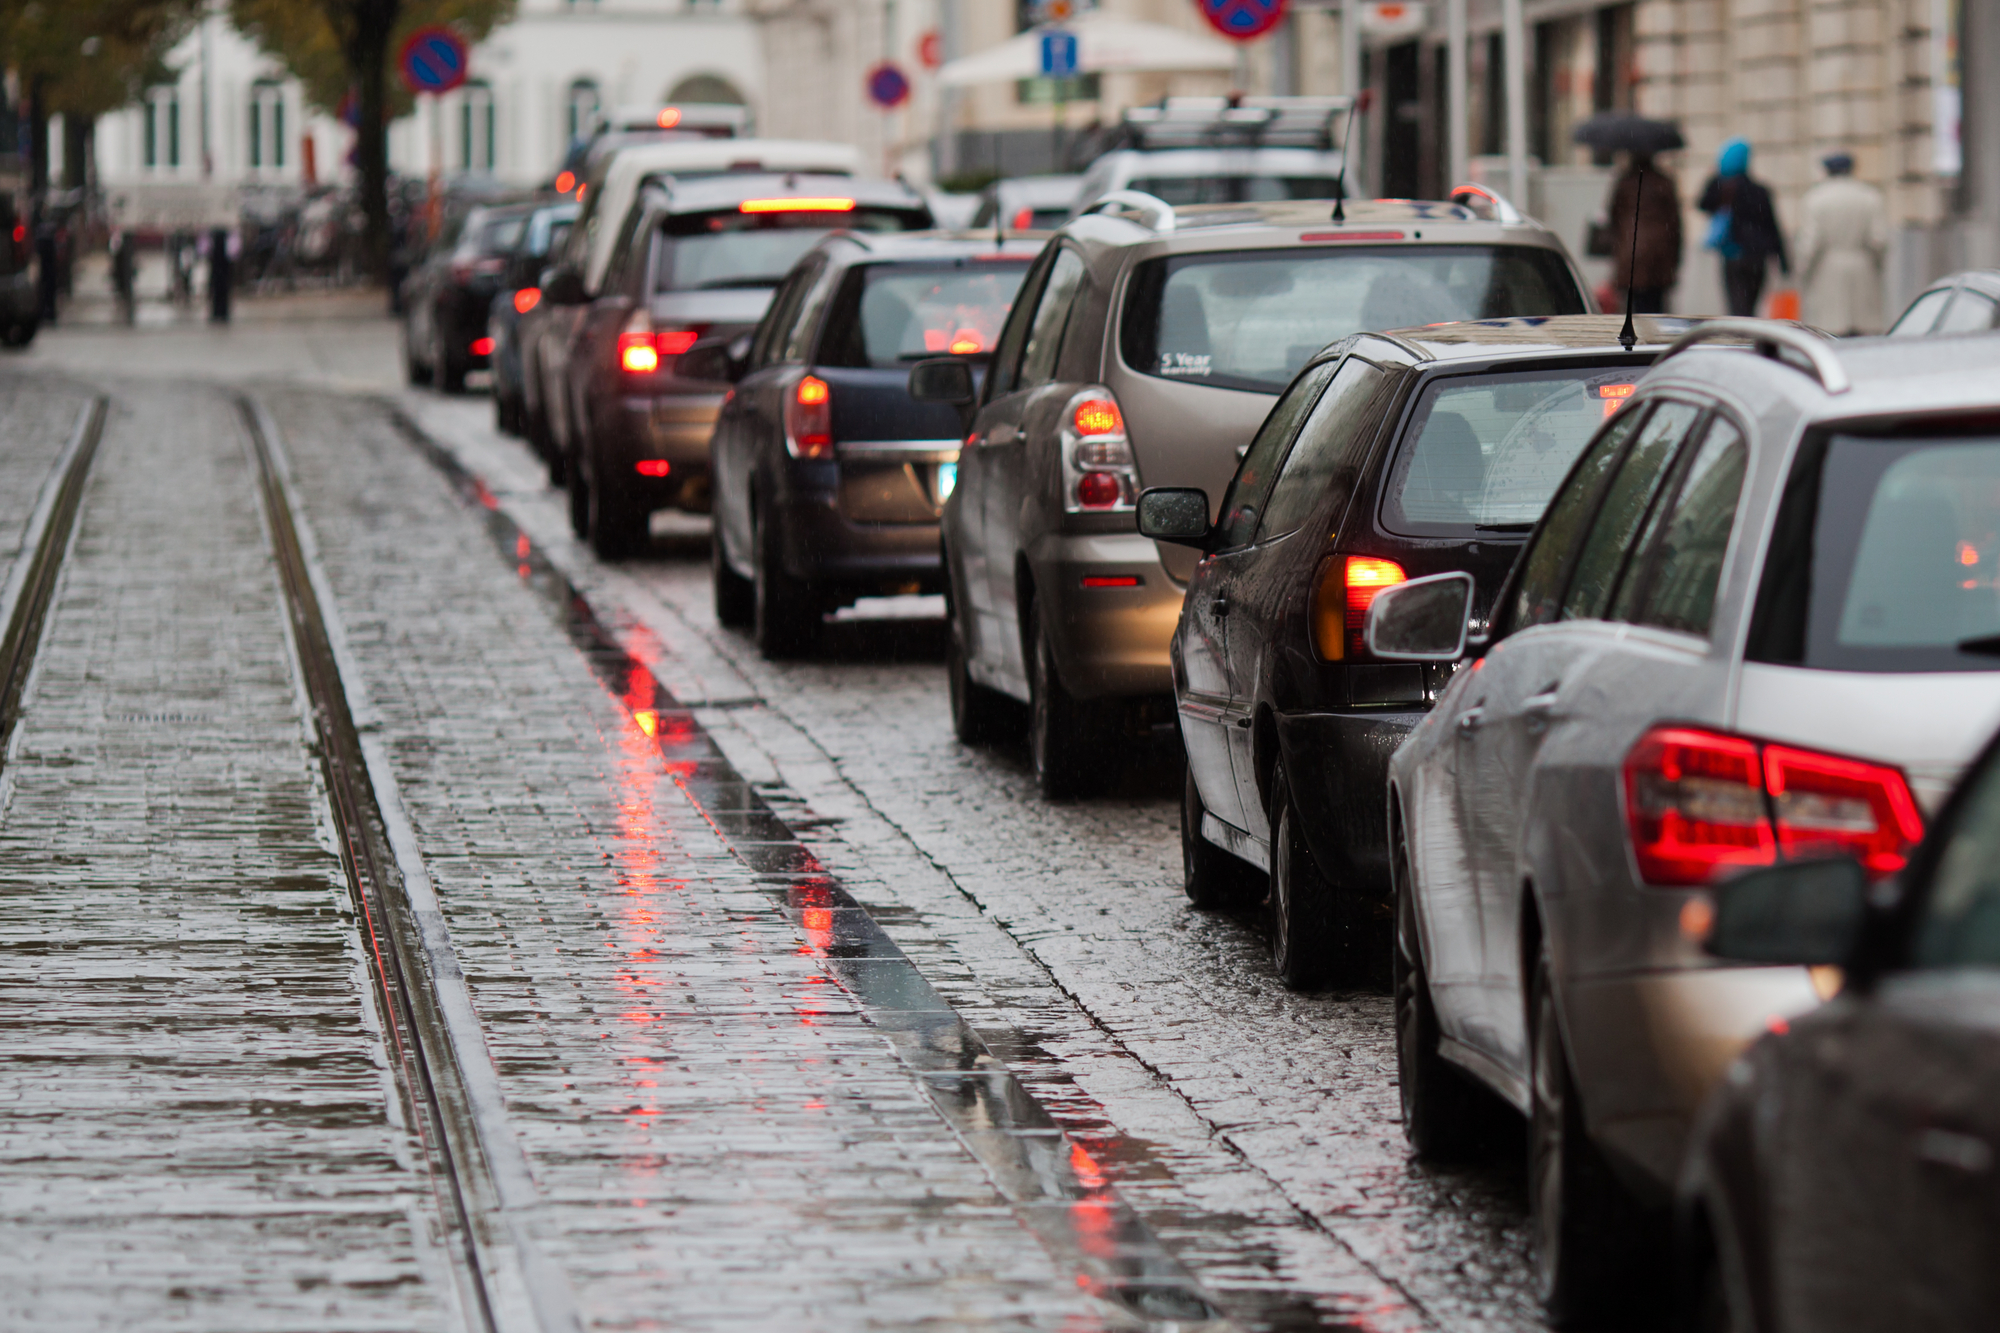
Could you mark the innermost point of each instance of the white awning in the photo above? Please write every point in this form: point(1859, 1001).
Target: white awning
point(1104, 44)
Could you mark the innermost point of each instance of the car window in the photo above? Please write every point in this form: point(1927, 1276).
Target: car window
point(1673, 584)
point(1921, 315)
point(1970, 312)
point(711, 251)
point(893, 314)
point(1243, 502)
point(778, 320)
point(1487, 451)
point(1538, 595)
point(1626, 502)
point(1333, 438)
point(1180, 191)
point(1248, 319)
point(1958, 924)
point(1038, 355)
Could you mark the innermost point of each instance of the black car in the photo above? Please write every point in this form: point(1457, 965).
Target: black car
point(1391, 456)
point(692, 259)
point(446, 297)
point(1842, 1176)
point(515, 400)
point(829, 477)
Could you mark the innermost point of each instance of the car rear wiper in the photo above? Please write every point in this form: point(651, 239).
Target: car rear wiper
point(1504, 527)
point(1984, 645)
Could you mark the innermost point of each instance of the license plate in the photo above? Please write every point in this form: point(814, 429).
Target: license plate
point(947, 477)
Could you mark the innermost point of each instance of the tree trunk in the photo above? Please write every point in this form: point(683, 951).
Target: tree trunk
point(366, 30)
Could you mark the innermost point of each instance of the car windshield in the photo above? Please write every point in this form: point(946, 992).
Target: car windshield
point(1887, 558)
point(1251, 319)
point(1487, 451)
point(741, 249)
point(1180, 191)
point(891, 314)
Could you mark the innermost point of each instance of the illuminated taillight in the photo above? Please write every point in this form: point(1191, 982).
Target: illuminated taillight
point(637, 354)
point(565, 182)
point(1098, 474)
point(1024, 218)
point(809, 419)
point(526, 299)
point(1701, 802)
point(1821, 802)
point(796, 206)
point(668, 117)
point(652, 467)
point(1346, 587)
point(482, 347)
point(1614, 396)
point(642, 349)
point(672, 342)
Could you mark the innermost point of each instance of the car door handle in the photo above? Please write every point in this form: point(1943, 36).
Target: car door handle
point(1469, 720)
point(1220, 606)
point(1543, 703)
point(1967, 1153)
point(1243, 722)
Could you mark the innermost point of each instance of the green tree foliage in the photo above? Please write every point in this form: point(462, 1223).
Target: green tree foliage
point(334, 46)
point(87, 57)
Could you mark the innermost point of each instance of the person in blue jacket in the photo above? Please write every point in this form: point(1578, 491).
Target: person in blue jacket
point(1742, 228)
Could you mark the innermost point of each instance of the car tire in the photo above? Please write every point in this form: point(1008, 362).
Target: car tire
point(506, 414)
point(18, 334)
point(619, 528)
point(1583, 1224)
point(979, 715)
point(1446, 1118)
point(735, 596)
point(1064, 741)
point(784, 617)
point(1213, 879)
point(579, 500)
point(416, 371)
point(1311, 934)
point(450, 374)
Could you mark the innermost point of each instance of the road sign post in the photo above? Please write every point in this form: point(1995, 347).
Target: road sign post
point(434, 61)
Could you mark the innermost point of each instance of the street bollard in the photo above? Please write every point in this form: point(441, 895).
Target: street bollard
point(221, 272)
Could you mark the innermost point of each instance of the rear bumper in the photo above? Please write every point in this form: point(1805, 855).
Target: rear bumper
point(823, 546)
point(672, 428)
point(1339, 769)
point(1109, 641)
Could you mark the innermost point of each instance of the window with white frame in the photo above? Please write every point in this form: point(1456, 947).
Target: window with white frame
point(584, 101)
point(267, 125)
point(476, 129)
point(160, 140)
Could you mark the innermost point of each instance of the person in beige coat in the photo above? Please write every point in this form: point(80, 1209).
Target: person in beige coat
point(1840, 248)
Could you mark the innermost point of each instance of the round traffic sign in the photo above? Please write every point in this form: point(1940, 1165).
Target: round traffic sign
point(433, 60)
point(1242, 19)
point(887, 85)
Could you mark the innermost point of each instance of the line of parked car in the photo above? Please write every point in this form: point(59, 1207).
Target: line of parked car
point(1589, 681)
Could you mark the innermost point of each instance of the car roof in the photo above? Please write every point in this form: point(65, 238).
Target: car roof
point(1129, 219)
point(1532, 335)
point(1886, 377)
point(1979, 279)
point(914, 247)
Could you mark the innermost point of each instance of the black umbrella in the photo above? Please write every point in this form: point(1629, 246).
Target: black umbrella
point(1623, 132)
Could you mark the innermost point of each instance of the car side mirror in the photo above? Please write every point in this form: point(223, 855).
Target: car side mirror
point(563, 285)
point(1177, 514)
point(720, 359)
point(1803, 912)
point(1423, 620)
point(945, 379)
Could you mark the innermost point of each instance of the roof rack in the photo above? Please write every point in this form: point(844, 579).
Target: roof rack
point(1236, 122)
point(1769, 337)
point(1148, 210)
point(1486, 204)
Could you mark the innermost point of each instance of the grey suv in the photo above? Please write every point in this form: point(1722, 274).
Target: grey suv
point(1145, 348)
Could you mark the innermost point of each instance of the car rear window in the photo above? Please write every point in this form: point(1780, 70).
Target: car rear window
point(1886, 557)
point(892, 314)
point(1485, 452)
point(739, 249)
point(1250, 319)
point(488, 235)
point(1181, 191)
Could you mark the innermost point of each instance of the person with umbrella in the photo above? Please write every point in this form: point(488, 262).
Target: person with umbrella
point(1841, 244)
point(1644, 232)
point(1742, 228)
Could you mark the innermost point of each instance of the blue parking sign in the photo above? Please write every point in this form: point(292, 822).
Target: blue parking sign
point(1058, 54)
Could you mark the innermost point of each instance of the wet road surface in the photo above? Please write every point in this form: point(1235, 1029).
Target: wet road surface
point(801, 1015)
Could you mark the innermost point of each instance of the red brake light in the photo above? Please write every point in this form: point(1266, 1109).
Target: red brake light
point(675, 341)
point(482, 347)
point(1098, 490)
point(796, 206)
point(1362, 576)
point(637, 354)
point(1700, 802)
point(669, 117)
point(565, 182)
point(1024, 218)
point(1098, 416)
point(526, 299)
point(652, 467)
point(20, 233)
point(809, 419)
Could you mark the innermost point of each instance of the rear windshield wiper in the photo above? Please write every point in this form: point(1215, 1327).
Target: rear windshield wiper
point(1985, 645)
point(1503, 527)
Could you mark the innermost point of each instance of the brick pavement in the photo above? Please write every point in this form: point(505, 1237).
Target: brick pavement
point(36, 421)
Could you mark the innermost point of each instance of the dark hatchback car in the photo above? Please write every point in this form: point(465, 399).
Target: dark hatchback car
point(1392, 456)
point(446, 297)
point(1842, 1177)
point(515, 401)
point(693, 259)
point(829, 477)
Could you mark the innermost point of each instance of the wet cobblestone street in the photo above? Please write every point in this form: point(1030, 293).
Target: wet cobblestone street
point(800, 1014)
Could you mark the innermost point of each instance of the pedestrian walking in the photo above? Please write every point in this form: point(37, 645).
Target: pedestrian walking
point(1646, 257)
point(221, 275)
point(1742, 228)
point(1842, 239)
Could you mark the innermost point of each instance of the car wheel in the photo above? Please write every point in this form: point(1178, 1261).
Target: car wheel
point(506, 416)
point(1214, 879)
point(785, 619)
point(1445, 1117)
point(18, 335)
point(415, 370)
point(1064, 740)
point(979, 715)
point(1583, 1224)
point(579, 499)
point(735, 596)
point(618, 527)
point(1311, 936)
point(450, 373)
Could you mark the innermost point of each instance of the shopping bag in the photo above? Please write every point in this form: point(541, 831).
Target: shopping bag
point(1784, 304)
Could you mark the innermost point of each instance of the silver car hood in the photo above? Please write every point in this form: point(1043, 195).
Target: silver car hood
point(1931, 723)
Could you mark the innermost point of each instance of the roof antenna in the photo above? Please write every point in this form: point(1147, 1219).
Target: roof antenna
point(1354, 109)
point(1627, 335)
